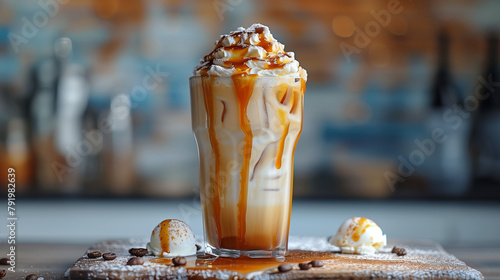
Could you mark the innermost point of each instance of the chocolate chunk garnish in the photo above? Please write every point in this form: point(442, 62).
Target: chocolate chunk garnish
point(138, 252)
point(316, 263)
point(94, 255)
point(177, 261)
point(32, 277)
point(305, 266)
point(135, 261)
point(109, 256)
point(4, 261)
point(2, 273)
point(285, 267)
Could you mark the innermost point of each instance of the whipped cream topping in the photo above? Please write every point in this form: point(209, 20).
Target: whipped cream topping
point(251, 51)
point(172, 238)
point(359, 236)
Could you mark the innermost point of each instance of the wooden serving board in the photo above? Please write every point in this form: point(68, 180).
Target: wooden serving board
point(425, 260)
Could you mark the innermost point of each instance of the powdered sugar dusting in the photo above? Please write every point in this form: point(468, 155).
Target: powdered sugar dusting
point(425, 260)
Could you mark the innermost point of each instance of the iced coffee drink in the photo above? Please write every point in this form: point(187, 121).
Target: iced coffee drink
point(247, 103)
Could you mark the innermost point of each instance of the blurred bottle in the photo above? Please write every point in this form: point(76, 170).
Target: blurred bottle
point(15, 151)
point(41, 113)
point(447, 165)
point(71, 101)
point(92, 167)
point(119, 152)
point(18, 154)
point(445, 93)
point(485, 138)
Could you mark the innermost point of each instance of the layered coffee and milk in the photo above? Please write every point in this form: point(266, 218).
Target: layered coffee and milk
point(247, 103)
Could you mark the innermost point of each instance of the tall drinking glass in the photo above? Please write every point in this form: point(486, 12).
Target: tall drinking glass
point(246, 128)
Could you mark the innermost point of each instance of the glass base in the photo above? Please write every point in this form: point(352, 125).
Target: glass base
point(229, 253)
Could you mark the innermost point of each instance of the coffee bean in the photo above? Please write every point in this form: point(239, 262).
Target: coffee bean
point(138, 252)
point(2, 273)
point(285, 267)
point(135, 261)
point(401, 251)
point(94, 255)
point(4, 261)
point(109, 256)
point(305, 266)
point(316, 263)
point(177, 261)
point(32, 277)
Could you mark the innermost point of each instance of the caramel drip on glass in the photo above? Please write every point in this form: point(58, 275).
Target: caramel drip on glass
point(282, 142)
point(209, 107)
point(243, 86)
point(223, 111)
point(303, 86)
point(165, 237)
point(303, 90)
point(294, 100)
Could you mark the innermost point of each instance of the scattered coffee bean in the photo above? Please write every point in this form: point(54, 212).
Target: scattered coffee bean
point(94, 255)
point(109, 256)
point(177, 261)
point(399, 251)
point(138, 252)
point(135, 261)
point(285, 267)
point(2, 273)
point(4, 261)
point(32, 277)
point(316, 263)
point(305, 266)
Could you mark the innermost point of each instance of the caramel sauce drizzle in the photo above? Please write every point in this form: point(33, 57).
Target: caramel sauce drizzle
point(303, 90)
point(243, 84)
point(239, 50)
point(361, 229)
point(165, 237)
point(209, 107)
point(281, 144)
point(244, 88)
point(223, 111)
point(247, 265)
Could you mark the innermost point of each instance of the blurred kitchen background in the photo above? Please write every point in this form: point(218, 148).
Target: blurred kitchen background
point(401, 119)
point(402, 101)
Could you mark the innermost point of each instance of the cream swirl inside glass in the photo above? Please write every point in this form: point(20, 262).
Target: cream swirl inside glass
point(251, 51)
point(247, 105)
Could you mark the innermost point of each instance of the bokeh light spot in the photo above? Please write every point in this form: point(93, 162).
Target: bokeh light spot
point(343, 26)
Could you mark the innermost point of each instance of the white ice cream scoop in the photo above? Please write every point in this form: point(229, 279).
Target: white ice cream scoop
point(172, 238)
point(359, 236)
